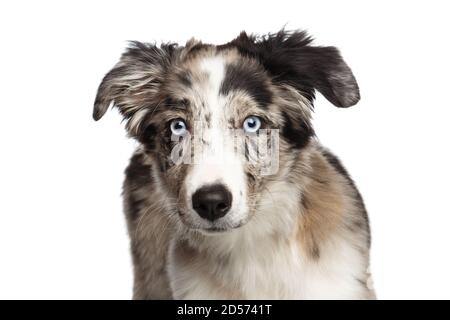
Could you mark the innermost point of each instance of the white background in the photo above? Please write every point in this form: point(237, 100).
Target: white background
point(62, 231)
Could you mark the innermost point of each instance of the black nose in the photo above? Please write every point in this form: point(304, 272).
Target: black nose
point(212, 202)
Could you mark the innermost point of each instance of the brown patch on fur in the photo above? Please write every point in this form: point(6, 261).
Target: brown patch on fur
point(322, 207)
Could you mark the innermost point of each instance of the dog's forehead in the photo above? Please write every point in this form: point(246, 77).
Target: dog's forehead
point(208, 70)
point(214, 79)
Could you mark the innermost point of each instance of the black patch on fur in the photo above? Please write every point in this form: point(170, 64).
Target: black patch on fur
point(137, 175)
point(290, 58)
point(241, 77)
point(296, 131)
point(148, 136)
point(337, 165)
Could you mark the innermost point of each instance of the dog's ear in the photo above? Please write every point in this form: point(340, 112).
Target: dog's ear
point(291, 59)
point(134, 81)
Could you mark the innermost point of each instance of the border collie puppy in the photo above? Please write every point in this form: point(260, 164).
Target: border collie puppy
point(208, 218)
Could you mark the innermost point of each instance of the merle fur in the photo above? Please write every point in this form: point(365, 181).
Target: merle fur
point(291, 59)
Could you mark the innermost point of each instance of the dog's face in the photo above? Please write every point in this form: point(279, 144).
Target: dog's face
point(209, 116)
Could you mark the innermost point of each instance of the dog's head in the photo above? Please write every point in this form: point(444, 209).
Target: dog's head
point(201, 111)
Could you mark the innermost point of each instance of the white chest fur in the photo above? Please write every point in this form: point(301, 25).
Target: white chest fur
point(267, 269)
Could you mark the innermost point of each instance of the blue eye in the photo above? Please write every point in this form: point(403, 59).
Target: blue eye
point(178, 127)
point(252, 124)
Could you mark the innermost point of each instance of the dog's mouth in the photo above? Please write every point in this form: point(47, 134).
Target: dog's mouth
point(211, 228)
point(218, 230)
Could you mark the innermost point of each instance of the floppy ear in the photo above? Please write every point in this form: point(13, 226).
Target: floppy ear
point(291, 59)
point(135, 80)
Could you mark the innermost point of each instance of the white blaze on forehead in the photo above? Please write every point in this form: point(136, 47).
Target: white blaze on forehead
point(217, 162)
point(214, 103)
point(215, 68)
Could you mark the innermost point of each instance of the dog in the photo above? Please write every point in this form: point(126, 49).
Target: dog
point(220, 226)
